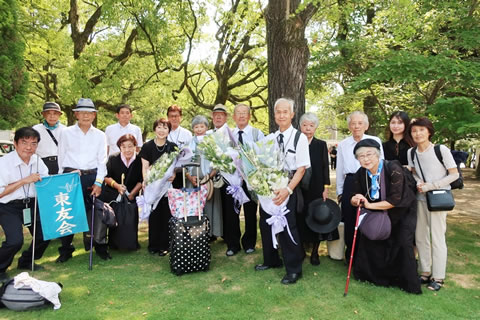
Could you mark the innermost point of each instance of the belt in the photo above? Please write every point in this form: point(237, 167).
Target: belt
point(22, 201)
point(83, 172)
point(52, 158)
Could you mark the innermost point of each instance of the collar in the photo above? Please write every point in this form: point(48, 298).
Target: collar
point(285, 133)
point(124, 160)
point(78, 128)
point(246, 130)
point(17, 161)
point(55, 126)
point(123, 127)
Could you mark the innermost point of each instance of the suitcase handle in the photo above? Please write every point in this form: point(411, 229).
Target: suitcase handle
point(191, 164)
point(184, 167)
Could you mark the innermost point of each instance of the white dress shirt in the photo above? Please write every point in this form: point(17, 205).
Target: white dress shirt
point(46, 146)
point(248, 134)
point(180, 136)
point(346, 162)
point(115, 131)
point(14, 169)
point(213, 130)
point(294, 158)
point(83, 151)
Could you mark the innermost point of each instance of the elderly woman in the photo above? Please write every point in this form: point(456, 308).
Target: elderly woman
point(124, 174)
point(213, 207)
point(431, 227)
point(317, 187)
point(400, 141)
point(389, 262)
point(158, 230)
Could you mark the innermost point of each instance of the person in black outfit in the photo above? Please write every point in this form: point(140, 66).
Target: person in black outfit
point(124, 175)
point(399, 141)
point(333, 158)
point(389, 262)
point(158, 219)
point(319, 181)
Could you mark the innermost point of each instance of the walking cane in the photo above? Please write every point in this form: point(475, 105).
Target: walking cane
point(352, 251)
point(90, 262)
point(34, 225)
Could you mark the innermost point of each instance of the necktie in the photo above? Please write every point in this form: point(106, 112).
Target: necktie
point(280, 142)
point(240, 138)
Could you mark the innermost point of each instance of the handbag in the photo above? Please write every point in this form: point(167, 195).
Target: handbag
point(376, 225)
point(440, 199)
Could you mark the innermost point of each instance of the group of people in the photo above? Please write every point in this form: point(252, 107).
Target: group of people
point(359, 161)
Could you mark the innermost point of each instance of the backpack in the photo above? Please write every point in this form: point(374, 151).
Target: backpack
point(457, 184)
point(307, 176)
point(20, 299)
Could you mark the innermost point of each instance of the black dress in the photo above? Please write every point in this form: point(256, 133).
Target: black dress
point(127, 233)
point(389, 262)
point(394, 150)
point(158, 229)
point(320, 178)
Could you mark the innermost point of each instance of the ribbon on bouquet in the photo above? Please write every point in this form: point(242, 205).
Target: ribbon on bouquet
point(235, 189)
point(277, 221)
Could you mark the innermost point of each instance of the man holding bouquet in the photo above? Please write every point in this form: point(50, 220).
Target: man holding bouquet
point(296, 159)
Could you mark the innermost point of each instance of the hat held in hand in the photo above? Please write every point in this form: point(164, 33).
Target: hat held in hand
point(323, 216)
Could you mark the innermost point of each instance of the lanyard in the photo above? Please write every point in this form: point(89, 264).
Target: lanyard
point(285, 144)
point(26, 200)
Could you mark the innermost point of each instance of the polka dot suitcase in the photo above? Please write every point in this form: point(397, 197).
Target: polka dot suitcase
point(189, 239)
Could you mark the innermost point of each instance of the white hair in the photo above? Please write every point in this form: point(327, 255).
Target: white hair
point(290, 102)
point(357, 113)
point(241, 105)
point(309, 116)
point(199, 120)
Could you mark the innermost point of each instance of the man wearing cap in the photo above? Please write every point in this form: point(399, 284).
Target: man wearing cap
point(296, 160)
point(347, 165)
point(21, 168)
point(82, 148)
point(49, 132)
point(219, 117)
point(122, 127)
point(244, 133)
point(178, 135)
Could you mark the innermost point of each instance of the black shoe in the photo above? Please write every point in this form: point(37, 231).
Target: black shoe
point(104, 255)
point(291, 278)
point(212, 239)
point(250, 250)
point(315, 260)
point(262, 267)
point(63, 258)
point(36, 267)
point(435, 285)
point(162, 253)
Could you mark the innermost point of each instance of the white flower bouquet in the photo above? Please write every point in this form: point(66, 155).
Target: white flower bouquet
point(157, 180)
point(217, 149)
point(262, 169)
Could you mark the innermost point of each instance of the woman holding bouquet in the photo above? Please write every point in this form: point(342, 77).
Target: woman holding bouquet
point(158, 220)
point(213, 207)
point(317, 188)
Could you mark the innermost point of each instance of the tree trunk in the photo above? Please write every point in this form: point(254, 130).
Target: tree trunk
point(288, 55)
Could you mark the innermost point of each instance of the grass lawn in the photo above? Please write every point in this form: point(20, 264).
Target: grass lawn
point(137, 285)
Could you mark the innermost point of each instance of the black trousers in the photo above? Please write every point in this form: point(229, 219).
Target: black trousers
point(11, 220)
point(158, 228)
point(231, 221)
point(51, 164)
point(249, 238)
point(292, 253)
point(349, 214)
point(67, 247)
point(333, 163)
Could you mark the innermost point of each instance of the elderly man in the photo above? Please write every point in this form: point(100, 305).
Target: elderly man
point(347, 165)
point(244, 133)
point(296, 159)
point(21, 168)
point(122, 127)
point(49, 132)
point(219, 117)
point(83, 149)
point(178, 135)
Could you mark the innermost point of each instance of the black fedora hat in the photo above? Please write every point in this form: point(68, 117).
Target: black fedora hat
point(323, 216)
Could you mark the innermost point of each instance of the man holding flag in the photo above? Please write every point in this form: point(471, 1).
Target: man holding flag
point(82, 148)
point(21, 168)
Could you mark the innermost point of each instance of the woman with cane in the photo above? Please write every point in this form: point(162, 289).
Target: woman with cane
point(391, 261)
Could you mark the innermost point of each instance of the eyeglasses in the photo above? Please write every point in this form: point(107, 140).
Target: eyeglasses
point(368, 155)
point(28, 144)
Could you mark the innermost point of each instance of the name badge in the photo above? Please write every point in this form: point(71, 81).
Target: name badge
point(27, 217)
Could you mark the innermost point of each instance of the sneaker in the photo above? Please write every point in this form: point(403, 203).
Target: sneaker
point(250, 250)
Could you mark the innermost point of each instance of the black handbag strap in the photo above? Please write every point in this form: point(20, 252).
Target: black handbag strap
point(51, 135)
point(419, 165)
point(383, 192)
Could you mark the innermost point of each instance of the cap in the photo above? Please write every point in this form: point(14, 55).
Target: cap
point(369, 143)
point(51, 106)
point(85, 104)
point(219, 108)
